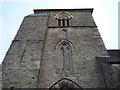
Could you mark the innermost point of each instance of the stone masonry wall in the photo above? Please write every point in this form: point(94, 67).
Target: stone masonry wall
point(87, 45)
point(22, 62)
point(109, 72)
point(34, 59)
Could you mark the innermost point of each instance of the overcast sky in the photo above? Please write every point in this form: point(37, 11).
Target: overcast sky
point(12, 13)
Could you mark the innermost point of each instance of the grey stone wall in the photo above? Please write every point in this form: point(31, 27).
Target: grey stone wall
point(22, 62)
point(79, 19)
point(87, 45)
point(109, 71)
point(34, 60)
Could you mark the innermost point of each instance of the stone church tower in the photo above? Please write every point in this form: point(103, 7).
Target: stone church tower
point(55, 48)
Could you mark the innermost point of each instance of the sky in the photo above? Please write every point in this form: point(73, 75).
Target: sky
point(12, 13)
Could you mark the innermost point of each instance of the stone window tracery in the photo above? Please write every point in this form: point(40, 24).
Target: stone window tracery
point(65, 55)
point(65, 48)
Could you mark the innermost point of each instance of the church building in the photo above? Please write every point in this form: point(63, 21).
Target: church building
point(59, 48)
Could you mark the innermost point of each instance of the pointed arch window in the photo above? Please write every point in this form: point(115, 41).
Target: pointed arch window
point(65, 84)
point(66, 56)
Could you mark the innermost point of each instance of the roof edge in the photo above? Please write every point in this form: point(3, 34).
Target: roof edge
point(77, 9)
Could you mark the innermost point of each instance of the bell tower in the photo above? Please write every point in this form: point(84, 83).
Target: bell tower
point(55, 48)
point(72, 43)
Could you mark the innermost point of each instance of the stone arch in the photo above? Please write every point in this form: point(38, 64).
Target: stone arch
point(64, 41)
point(65, 83)
point(63, 19)
point(65, 52)
point(63, 14)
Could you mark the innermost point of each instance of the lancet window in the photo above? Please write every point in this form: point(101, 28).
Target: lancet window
point(65, 55)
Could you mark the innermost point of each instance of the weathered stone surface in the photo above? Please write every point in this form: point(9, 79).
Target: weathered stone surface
point(110, 73)
point(32, 28)
point(24, 55)
point(43, 52)
point(86, 48)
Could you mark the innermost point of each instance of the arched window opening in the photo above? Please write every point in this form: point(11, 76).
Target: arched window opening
point(65, 55)
point(63, 19)
point(62, 22)
point(65, 84)
point(65, 51)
